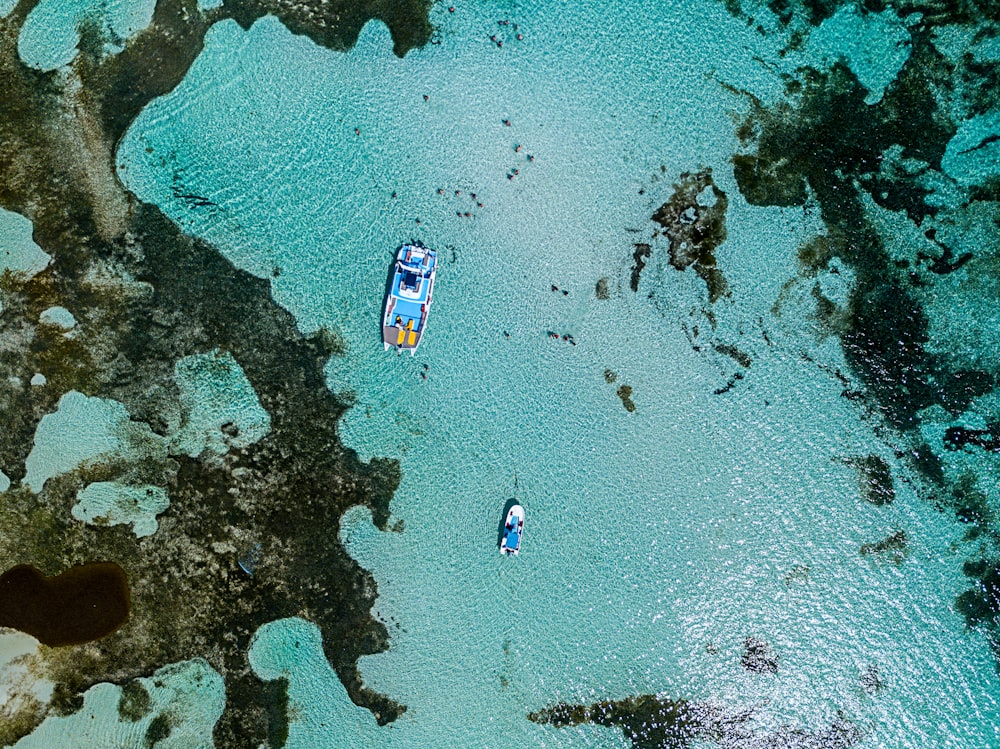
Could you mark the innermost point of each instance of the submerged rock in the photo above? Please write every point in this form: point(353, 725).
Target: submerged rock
point(892, 546)
point(657, 722)
point(625, 393)
point(759, 657)
point(694, 221)
point(875, 479)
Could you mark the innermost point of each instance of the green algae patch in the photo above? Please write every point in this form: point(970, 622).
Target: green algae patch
point(135, 702)
point(84, 603)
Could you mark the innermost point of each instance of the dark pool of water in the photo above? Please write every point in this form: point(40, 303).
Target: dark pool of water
point(84, 603)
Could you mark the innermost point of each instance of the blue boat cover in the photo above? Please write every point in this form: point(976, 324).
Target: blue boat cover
point(512, 538)
point(407, 311)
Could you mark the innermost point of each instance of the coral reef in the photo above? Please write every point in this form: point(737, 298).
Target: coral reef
point(694, 222)
point(899, 206)
point(144, 296)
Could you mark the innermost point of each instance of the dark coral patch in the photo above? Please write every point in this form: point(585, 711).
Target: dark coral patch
point(159, 729)
point(892, 546)
point(871, 680)
point(336, 24)
point(655, 722)
point(639, 258)
point(601, 289)
point(740, 357)
point(759, 657)
point(875, 478)
point(649, 722)
point(825, 140)
point(956, 438)
point(83, 604)
point(824, 144)
point(694, 221)
point(625, 393)
point(980, 604)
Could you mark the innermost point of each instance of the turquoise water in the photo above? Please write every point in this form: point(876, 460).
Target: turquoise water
point(86, 429)
point(114, 503)
point(18, 251)
point(656, 541)
point(51, 33)
point(189, 696)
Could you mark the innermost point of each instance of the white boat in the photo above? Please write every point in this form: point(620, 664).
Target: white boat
point(513, 530)
point(408, 300)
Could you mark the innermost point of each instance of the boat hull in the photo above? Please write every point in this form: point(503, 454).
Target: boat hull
point(513, 531)
point(408, 298)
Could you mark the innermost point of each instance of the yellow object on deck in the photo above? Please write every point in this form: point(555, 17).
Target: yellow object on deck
point(409, 324)
point(413, 338)
point(402, 335)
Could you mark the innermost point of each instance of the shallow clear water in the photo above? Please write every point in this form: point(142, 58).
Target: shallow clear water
point(51, 33)
point(656, 541)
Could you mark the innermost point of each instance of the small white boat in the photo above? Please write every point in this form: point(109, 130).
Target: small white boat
point(513, 530)
point(408, 301)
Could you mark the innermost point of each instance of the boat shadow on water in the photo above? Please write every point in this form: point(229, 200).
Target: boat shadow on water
point(390, 276)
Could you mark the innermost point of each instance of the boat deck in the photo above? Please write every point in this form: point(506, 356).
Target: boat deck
point(409, 297)
point(409, 339)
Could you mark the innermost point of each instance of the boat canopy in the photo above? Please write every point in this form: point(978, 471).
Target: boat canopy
point(512, 538)
point(409, 285)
